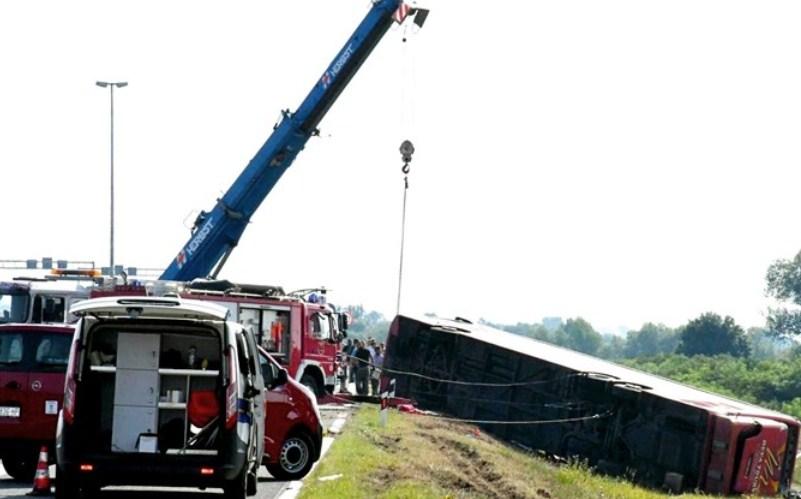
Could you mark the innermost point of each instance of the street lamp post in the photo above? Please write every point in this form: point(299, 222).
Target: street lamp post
point(111, 85)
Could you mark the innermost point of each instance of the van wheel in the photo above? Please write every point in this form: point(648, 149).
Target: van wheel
point(66, 486)
point(294, 459)
point(237, 488)
point(309, 382)
point(21, 467)
point(252, 484)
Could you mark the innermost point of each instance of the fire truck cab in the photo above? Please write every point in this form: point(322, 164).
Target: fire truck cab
point(299, 330)
point(41, 300)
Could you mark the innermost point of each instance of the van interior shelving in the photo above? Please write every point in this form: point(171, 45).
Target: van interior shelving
point(157, 393)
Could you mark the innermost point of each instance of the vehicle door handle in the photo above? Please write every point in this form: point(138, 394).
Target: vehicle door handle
point(13, 385)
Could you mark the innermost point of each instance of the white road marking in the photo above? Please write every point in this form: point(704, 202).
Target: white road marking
point(338, 423)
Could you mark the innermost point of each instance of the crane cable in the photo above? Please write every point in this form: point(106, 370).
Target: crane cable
point(403, 234)
point(599, 415)
point(406, 118)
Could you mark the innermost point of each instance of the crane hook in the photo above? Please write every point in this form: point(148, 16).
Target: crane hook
point(406, 150)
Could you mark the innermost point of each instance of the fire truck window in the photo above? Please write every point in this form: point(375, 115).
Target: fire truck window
point(249, 317)
point(275, 336)
point(53, 309)
point(13, 307)
point(10, 349)
point(332, 321)
point(320, 327)
point(53, 350)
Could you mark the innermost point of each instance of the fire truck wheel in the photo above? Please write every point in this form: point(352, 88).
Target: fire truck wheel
point(21, 467)
point(309, 382)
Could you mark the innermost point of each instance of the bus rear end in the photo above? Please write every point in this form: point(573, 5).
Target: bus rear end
point(751, 454)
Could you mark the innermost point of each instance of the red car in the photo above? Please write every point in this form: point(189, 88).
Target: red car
point(293, 427)
point(33, 360)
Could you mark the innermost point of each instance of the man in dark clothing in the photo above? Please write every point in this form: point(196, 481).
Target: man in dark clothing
point(362, 355)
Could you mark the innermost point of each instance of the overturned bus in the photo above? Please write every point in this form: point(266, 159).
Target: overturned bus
point(564, 403)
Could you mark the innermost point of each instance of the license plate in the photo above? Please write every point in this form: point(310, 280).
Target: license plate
point(9, 412)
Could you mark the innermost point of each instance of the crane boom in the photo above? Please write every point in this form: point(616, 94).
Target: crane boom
point(216, 233)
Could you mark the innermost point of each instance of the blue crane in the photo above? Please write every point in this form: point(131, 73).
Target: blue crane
point(216, 233)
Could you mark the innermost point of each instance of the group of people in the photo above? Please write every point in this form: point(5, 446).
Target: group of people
point(363, 362)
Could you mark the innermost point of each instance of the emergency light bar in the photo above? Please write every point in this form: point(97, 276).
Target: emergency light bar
point(90, 273)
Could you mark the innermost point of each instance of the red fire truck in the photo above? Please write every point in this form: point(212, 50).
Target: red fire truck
point(299, 329)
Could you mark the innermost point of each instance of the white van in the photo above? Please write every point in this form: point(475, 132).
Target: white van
point(160, 391)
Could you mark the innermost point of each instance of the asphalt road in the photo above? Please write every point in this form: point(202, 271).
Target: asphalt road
point(269, 487)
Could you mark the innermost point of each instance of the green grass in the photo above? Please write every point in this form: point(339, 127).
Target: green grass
point(423, 457)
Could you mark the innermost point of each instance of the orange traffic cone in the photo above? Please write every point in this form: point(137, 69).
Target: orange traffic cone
point(41, 481)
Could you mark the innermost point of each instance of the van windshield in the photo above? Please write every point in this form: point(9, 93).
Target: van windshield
point(34, 351)
point(13, 304)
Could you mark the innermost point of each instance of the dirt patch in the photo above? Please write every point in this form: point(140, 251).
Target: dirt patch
point(386, 442)
point(467, 469)
point(380, 477)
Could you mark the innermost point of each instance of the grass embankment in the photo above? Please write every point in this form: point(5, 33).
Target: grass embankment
point(424, 457)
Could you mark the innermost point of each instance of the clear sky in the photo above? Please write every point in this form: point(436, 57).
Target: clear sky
point(622, 161)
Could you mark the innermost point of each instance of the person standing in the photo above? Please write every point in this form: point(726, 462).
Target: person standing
point(362, 357)
point(375, 375)
point(370, 346)
point(343, 366)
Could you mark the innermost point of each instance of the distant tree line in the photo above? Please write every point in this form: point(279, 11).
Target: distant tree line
point(709, 334)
